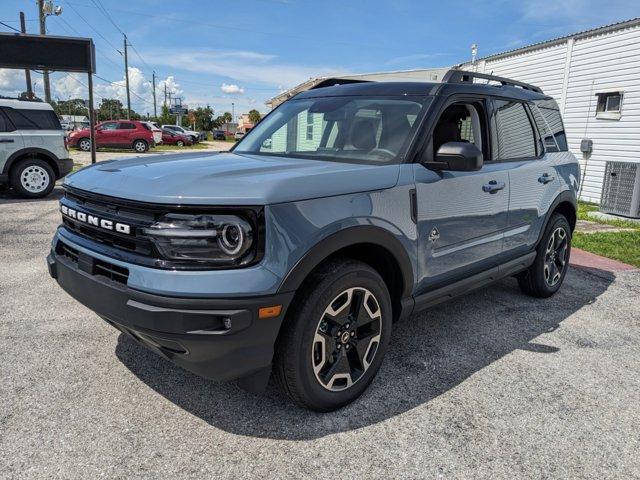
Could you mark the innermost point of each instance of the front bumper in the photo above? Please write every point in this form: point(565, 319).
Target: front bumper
point(220, 339)
point(65, 165)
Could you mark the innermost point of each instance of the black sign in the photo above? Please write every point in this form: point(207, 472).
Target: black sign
point(49, 52)
point(178, 110)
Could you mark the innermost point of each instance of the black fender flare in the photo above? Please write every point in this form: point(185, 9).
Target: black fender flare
point(15, 156)
point(345, 238)
point(567, 196)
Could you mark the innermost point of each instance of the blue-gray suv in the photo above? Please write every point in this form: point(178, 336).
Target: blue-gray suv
point(349, 207)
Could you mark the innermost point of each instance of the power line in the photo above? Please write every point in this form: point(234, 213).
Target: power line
point(100, 7)
point(122, 86)
point(91, 27)
point(9, 26)
point(72, 31)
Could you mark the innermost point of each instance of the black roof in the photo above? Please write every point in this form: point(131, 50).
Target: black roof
point(343, 87)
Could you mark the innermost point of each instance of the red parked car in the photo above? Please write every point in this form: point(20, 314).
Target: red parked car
point(172, 138)
point(115, 133)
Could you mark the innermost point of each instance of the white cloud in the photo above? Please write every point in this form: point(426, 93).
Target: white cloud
point(12, 82)
point(242, 66)
point(73, 85)
point(232, 88)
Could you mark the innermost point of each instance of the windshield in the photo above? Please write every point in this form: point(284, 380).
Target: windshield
point(347, 129)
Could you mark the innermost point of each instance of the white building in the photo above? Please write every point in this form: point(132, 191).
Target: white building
point(594, 76)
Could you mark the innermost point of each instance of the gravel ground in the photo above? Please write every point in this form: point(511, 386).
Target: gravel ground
point(493, 385)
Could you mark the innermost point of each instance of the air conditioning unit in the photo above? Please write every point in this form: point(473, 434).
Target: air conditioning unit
point(621, 189)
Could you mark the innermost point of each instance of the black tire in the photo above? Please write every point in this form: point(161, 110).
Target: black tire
point(84, 144)
point(297, 347)
point(140, 146)
point(32, 178)
point(540, 280)
point(180, 143)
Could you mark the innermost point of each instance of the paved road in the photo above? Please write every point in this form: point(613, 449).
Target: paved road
point(495, 385)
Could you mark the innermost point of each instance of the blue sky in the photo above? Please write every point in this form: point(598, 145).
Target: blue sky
point(216, 53)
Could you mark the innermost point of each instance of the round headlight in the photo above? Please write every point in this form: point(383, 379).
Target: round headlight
point(231, 239)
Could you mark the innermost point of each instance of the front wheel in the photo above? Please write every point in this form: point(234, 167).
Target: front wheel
point(545, 276)
point(334, 337)
point(180, 143)
point(33, 178)
point(140, 146)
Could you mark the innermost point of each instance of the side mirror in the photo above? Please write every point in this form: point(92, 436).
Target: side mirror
point(457, 157)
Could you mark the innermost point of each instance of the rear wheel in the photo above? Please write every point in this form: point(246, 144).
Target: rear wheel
point(180, 143)
point(545, 276)
point(32, 178)
point(335, 336)
point(84, 144)
point(140, 146)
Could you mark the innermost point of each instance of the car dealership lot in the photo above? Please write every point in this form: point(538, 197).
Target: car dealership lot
point(494, 384)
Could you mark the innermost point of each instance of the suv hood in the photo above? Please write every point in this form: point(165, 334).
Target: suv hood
point(229, 179)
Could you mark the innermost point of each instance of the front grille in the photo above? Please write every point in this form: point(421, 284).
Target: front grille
point(92, 265)
point(111, 271)
point(137, 217)
point(68, 252)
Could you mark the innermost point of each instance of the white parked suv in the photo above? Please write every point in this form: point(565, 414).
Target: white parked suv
point(195, 136)
point(33, 154)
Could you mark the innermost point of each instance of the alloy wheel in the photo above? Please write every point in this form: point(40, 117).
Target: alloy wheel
point(140, 147)
point(85, 145)
point(34, 179)
point(555, 258)
point(346, 339)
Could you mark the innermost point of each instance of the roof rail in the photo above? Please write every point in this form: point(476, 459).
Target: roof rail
point(330, 82)
point(462, 76)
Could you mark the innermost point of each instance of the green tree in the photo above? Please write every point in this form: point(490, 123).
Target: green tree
point(203, 118)
point(165, 117)
point(73, 106)
point(110, 109)
point(254, 116)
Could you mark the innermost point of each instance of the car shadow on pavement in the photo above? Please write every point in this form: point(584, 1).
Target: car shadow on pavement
point(9, 196)
point(429, 354)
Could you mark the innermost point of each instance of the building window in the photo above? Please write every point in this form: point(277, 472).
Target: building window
point(309, 126)
point(609, 105)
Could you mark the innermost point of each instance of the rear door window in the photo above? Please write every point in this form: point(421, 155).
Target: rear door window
point(33, 119)
point(5, 125)
point(514, 132)
point(126, 126)
point(549, 122)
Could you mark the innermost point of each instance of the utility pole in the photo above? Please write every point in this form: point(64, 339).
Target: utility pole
point(165, 93)
point(27, 72)
point(46, 8)
point(155, 111)
point(126, 76)
point(43, 31)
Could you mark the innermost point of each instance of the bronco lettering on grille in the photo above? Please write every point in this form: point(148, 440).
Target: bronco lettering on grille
point(89, 219)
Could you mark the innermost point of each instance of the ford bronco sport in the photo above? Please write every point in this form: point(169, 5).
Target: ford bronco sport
point(347, 208)
point(32, 150)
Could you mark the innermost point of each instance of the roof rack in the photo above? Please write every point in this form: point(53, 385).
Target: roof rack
point(330, 82)
point(462, 76)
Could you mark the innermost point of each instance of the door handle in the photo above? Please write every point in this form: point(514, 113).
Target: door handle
point(546, 178)
point(493, 186)
point(7, 140)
